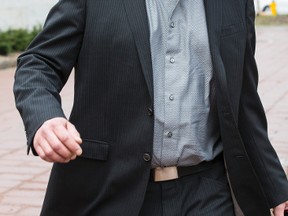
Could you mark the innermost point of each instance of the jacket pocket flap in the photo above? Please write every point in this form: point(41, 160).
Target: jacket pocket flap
point(231, 29)
point(94, 149)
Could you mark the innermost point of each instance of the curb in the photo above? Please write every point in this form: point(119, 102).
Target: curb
point(8, 61)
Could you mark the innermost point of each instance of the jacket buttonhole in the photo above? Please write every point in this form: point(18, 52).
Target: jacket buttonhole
point(240, 156)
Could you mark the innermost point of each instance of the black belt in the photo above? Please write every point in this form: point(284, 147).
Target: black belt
point(190, 170)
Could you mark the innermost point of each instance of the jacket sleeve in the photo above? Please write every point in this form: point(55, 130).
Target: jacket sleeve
point(253, 124)
point(46, 65)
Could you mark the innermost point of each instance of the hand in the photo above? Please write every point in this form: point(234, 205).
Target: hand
point(279, 210)
point(57, 140)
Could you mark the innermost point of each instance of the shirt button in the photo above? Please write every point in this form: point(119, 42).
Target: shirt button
point(171, 97)
point(146, 157)
point(172, 60)
point(169, 134)
point(150, 111)
point(172, 25)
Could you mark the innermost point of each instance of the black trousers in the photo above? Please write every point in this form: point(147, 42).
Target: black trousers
point(205, 193)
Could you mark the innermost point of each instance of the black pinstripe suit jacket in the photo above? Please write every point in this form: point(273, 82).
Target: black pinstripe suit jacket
point(107, 41)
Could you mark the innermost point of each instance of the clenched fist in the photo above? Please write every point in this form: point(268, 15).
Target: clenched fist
point(57, 140)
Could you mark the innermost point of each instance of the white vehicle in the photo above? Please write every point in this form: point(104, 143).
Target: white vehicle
point(263, 6)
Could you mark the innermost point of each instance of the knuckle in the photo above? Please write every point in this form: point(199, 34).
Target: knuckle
point(44, 130)
point(64, 137)
point(72, 126)
point(52, 122)
point(42, 155)
point(49, 153)
point(56, 159)
point(66, 155)
point(56, 146)
point(73, 148)
point(46, 125)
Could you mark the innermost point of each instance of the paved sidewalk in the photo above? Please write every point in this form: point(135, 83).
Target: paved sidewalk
point(23, 178)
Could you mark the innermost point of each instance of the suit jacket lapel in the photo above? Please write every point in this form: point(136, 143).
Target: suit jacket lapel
point(213, 10)
point(137, 18)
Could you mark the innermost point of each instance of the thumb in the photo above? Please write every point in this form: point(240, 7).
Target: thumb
point(279, 210)
point(73, 131)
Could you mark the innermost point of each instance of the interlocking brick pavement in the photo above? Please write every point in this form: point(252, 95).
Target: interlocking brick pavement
point(271, 55)
point(23, 178)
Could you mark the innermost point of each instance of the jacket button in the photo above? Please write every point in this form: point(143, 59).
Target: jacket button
point(150, 111)
point(146, 157)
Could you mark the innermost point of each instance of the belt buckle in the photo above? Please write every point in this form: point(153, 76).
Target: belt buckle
point(165, 173)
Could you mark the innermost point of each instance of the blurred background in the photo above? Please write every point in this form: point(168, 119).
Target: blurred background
point(23, 178)
point(270, 7)
point(23, 13)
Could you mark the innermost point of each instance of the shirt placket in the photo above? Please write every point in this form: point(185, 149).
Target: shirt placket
point(171, 100)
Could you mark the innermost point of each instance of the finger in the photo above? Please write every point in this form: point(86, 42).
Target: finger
point(38, 138)
point(46, 133)
point(50, 154)
point(58, 146)
point(67, 139)
point(41, 153)
point(73, 131)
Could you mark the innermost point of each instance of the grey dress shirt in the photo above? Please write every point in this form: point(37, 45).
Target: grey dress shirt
point(186, 129)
